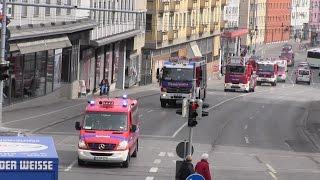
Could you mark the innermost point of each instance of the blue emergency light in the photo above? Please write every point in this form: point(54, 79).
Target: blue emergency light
point(92, 102)
point(124, 96)
point(125, 104)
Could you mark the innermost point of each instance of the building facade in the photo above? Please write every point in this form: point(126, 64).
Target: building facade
point(278, 20)
point(300, 18)
point(56, 48)
point(252, 17)
point(314, 22)
point(231, 14)
point(181, 28)
point(43, 48)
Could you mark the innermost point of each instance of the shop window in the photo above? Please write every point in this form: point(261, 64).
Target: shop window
point(50, 71)
point(57, 68)
point(29, 81)
point(40, 73)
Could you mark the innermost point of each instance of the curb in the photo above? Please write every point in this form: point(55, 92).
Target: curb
point(314, 139)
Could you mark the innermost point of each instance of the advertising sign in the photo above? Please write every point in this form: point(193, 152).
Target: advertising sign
point(28, 157)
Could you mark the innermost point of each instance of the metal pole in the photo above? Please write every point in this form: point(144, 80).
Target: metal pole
point(193, 99)
point(3, 47)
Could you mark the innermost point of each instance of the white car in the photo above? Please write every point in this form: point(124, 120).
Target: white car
point(303, 75)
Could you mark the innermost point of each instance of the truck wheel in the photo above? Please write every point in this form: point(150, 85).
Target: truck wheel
point(258, 83)
point(135, 152)
point(163, 104)
point(125, 164)
point(309, 83)
point(81, 162)
point(253, 89)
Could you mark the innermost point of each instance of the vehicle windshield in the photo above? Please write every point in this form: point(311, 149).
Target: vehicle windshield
point(304, 72)
point(105, 121)
point(177, 74)
point(282, 69)
point(265, 67)
point(312, 54)
point(235, 69)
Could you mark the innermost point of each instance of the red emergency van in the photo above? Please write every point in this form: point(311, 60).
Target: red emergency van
point(109, 131)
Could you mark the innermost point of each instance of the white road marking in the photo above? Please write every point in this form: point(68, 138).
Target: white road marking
point(178, 130)
point(157, 161)
point(217, 105)
point(154, 136)
point(153, 170)
point(293, 70)
point(149, 178)
point(246, 139)
point(71, 165)
point(251, 117)
point(174, 161)
point(288, 146)
point(273, 175)
point(271, 168)
point(151, 110)
point(170, 154)
point(45, 114)
point(162, 154)
point(246, 127)
point(262, 106)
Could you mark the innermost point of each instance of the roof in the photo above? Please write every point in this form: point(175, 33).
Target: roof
point(314, 50)
point(35, 31)
point(116, 105)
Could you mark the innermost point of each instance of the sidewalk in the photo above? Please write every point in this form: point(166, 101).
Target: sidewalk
point(53, 98)
point(313, 123)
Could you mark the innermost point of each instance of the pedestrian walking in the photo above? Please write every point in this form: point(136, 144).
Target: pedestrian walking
point(186, 169)
point(202, 167)
point(104, 87)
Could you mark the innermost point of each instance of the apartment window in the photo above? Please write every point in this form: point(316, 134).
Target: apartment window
point(149, 22)
point(69, 4)
point(47, 11)
point(24, 9)
point(36, 12)
point(58, 10)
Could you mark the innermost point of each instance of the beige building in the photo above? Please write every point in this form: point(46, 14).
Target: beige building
point(181, 28)
point(252, 17)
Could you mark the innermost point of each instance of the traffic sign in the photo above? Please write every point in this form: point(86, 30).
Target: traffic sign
point(195, 177)
point(182, 149)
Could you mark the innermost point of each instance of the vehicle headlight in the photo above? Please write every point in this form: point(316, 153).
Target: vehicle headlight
point(123, 145)
point(82, 144)
point(164, 94)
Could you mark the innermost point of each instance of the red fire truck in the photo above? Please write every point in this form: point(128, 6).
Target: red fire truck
point(109, 131)
point(240, 75)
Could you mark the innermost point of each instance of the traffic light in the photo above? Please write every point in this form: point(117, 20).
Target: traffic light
point(4, 72)
point(193, 113)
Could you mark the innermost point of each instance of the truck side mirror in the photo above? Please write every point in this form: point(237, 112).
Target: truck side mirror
point(133, 128)
point(77, 126)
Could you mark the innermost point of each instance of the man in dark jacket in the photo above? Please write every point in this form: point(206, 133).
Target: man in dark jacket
point(186, 169)
point(202, 167)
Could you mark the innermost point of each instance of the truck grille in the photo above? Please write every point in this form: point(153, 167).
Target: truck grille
point(174, 90)
point(102, 146)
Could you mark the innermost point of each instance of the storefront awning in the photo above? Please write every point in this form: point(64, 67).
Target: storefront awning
point(43, 45)
point(195, 49)
point(235, 33)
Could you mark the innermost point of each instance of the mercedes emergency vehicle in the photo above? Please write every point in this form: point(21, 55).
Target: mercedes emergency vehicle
point(177, 77)
point(239, 75)
point(282, 70)
point(267, 72)
point(109, 132)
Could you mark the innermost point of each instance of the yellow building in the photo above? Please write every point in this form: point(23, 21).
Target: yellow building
point(181, 28)
point(252, 16)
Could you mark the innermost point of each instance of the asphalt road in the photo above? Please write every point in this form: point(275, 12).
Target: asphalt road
point(256, 136)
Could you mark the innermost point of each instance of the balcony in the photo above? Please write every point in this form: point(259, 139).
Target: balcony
point(223, 2)
point(172, 6)
point(188, 31)
point(201, 29)
point(213, 4)
point(160, 6)
point(190, 4)
point(202, 4)
point(170, 35)
point(159, 37)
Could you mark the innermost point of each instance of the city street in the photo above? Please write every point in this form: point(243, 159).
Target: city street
point(260, 135)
